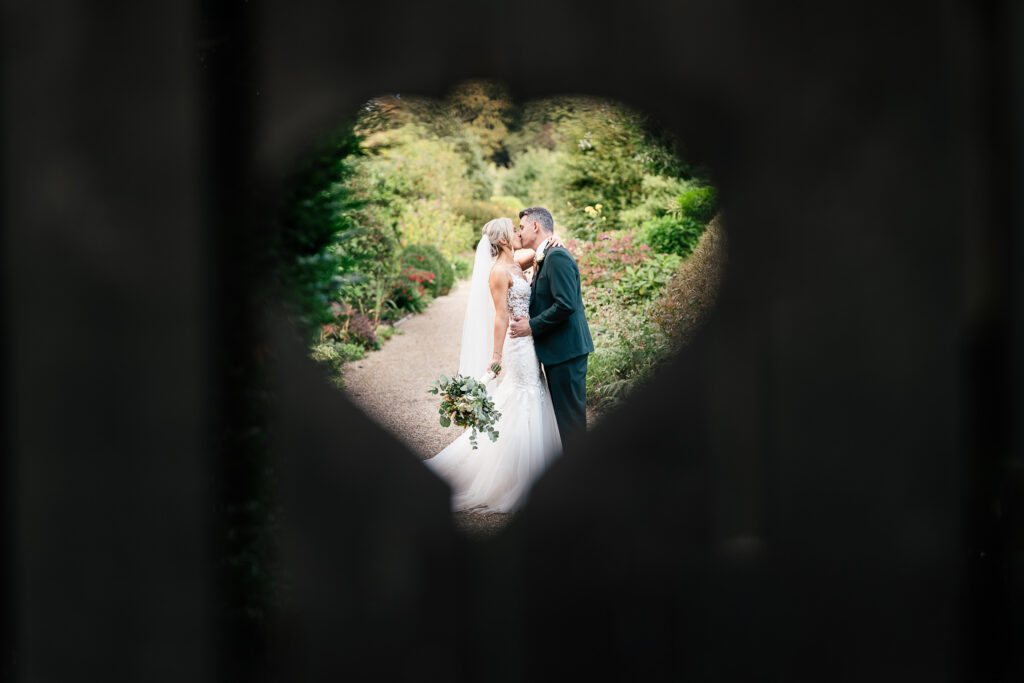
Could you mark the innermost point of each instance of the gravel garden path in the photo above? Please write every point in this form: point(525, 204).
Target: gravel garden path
point(391, 385)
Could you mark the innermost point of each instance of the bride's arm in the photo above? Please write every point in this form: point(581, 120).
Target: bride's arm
point(524, 257)
point(499, 292)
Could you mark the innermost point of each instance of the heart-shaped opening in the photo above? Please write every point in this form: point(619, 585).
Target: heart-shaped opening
point(386, 222)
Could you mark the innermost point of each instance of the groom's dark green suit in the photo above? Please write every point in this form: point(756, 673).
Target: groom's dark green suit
point(561, 337)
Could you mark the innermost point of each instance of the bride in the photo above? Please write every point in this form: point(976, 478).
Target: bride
point(496, 477)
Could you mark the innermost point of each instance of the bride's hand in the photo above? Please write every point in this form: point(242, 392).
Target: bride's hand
point(495, 360)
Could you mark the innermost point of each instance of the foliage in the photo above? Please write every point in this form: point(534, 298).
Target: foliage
point(658, 197)
point(509, 202)
point(621, 281)
point(423, 280)
point(629, 346)
point(350, 326)
point(413, 178)
point(698, 203)
point(464, 402)
point(462, 267)
point(595, 222)
point(603, 262)
point(350, 351)
point(568, 153)
point(478, 172)
point(328, 354)
point(604, 167)
point(678, 231)
point(428, 257)
point(370, 291)
point(313, 216)
point(478, 212)
point(641, 282)
point(335, 354)
point(484, 108)
point(689, 295)
point(543, 124)
point(413, 184)
point(536, 174)
point(409, 294)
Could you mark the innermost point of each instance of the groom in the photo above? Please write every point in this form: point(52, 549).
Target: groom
point(561, 336)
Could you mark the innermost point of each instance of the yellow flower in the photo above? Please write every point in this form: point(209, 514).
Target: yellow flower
point(598, 207)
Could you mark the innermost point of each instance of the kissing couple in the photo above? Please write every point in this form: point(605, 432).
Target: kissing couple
point(520, 324)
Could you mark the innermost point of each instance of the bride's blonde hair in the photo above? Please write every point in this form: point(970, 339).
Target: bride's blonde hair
point(496, 230)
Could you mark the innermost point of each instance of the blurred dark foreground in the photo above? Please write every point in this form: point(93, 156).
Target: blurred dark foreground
point(826, 485)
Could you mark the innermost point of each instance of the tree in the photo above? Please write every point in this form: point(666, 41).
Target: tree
point(484, 108)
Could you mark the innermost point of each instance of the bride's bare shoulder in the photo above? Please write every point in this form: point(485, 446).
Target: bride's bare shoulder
point(501, 275)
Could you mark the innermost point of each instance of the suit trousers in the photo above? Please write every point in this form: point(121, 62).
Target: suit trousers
point(567, 384)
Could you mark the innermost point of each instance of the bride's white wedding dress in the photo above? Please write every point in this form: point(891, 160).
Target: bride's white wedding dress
point(497, 476)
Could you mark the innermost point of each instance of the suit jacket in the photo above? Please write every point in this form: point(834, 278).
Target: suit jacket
point(557, 322)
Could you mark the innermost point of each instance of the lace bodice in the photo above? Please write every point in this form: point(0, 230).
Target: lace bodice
point(518, 297)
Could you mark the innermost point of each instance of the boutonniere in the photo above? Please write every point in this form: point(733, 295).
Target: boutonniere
point(539, 256)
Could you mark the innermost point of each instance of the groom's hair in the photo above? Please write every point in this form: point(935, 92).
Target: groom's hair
point(541, 215)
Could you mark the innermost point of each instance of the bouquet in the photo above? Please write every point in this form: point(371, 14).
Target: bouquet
point(464, 401)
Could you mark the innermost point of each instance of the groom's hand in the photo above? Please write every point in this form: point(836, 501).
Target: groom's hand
point(520, 327)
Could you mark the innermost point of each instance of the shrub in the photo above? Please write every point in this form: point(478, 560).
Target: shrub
point(360, 331)
point(628, 345)
point(621, 281)
point(370, 292)
point(678, 231)
point(690, 293)
point(660, 195)
point(334, 354)
point(594, 223)
point(604, 165)
point(484, 108)
point(351, 351)
point(514, 204)
point(672, 235)
point(643, 281)
point(313, 212)
point(328, 355)
point(698, 203)
point(434, 221)
point(476, 212)
point(350, 326)
point(605, 261)
point(406, 300)
point(633, 334)
point(410, 291)
point(422, 280)
point(533, 177)
point(429, 257)
point(462, 268)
